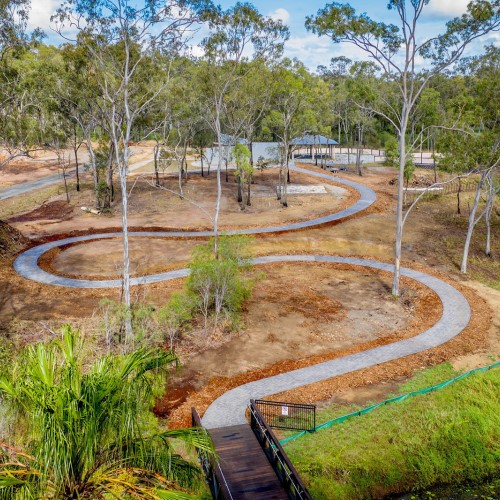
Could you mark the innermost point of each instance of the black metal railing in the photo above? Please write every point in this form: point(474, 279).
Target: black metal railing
point(211, 468)
point(290, 416)
point(276, 455)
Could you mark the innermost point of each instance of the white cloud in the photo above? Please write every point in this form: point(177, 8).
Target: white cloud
point(314, 51)
point(280, 14)
point(197, 51)
point(447, 8)
point(40, 13)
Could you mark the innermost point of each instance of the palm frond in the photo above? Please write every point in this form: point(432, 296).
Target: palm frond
point(83, 427)
point(195, 437)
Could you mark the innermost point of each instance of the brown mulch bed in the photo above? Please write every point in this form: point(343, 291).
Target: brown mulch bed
point(426, 314)
point(54, 210)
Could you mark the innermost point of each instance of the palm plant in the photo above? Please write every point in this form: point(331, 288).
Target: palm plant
point(84, 433)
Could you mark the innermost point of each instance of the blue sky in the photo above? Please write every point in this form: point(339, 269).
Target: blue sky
point(309, 48)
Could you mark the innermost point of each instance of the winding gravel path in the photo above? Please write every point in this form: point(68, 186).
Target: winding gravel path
point(27, 263)
point(229, 409)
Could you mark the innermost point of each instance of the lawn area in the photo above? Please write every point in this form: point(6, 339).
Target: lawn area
point(449, 436)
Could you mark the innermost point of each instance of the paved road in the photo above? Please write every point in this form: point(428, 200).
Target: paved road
point(27, 263)
point(26, 187)
point(229, 409)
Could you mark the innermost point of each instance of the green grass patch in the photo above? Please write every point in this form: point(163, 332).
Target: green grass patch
point(449, 436)
point(31, 200)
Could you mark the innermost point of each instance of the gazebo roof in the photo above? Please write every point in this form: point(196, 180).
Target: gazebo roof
point(313, 140)
point(231, 140)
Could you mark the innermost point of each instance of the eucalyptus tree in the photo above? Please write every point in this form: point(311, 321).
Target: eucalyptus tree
point(244, 173)
point(471, 141)
point(79, 429)
point(185, 113)
point(202, 140)
point(338, 100)
point(249, 100)
point(125, 40)
point(30, 119)
point(396, 50)
point(245, 106)
point(287, 119)
point(234, 33)
point(14, 16)
point(429, 114)
point(362, 86)
point(14, 40)
point(80, 97)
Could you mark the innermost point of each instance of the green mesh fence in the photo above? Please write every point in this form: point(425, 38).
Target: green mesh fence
point(364, 411)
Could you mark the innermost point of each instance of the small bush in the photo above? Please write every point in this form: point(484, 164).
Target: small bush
point(219, 284)
point(392, 158)
point(172, 317)
point(215, 290)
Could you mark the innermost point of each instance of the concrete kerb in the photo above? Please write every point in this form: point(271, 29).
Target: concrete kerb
point(229, 409)
point(27, 266)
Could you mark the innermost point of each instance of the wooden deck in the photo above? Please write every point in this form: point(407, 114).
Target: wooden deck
point(244, 464)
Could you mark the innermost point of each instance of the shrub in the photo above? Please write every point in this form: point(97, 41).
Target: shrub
point(392, 158)
point(219, 284)
point(88, 431)
point(175, 314)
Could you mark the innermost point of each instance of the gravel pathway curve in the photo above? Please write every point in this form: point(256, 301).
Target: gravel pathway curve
point(229, 409)
point(26, 264)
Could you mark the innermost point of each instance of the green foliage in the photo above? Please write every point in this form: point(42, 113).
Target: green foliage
point(244, 169)
point(391, 152)
point(392, 158)
point(88, 431)
point(409, 168)
point(449, 436)
point(241, 156)
point(175, 314)
point(219, 284)
point(144, 322)
point(244, 172)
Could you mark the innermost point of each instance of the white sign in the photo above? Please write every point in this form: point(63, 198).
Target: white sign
point(284, 411)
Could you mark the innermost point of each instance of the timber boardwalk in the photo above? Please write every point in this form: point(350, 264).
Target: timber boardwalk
point(250, 464)
point(245, 467)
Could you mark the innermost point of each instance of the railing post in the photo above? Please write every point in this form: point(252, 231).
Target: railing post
point(214, 476)
point(280, 462)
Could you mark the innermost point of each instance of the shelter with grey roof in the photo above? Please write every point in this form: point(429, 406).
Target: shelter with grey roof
point(314, 142)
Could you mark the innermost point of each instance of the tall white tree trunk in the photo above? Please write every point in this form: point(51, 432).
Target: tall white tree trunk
point(126, 256)
point(93, 166)
point(399, 209)
point(219, 186)
point(472, 223)
point(490, 202)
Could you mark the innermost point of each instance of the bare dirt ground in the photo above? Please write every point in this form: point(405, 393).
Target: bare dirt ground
point(46, 162)
point(303, 312)
point(158, 208)
point(24, 170)
point(300, 314)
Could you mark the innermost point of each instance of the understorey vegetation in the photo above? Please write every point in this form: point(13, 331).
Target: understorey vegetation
point(76, 428)
point(205, 312)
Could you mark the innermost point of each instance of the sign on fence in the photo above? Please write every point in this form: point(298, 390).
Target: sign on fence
point(291, 416)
